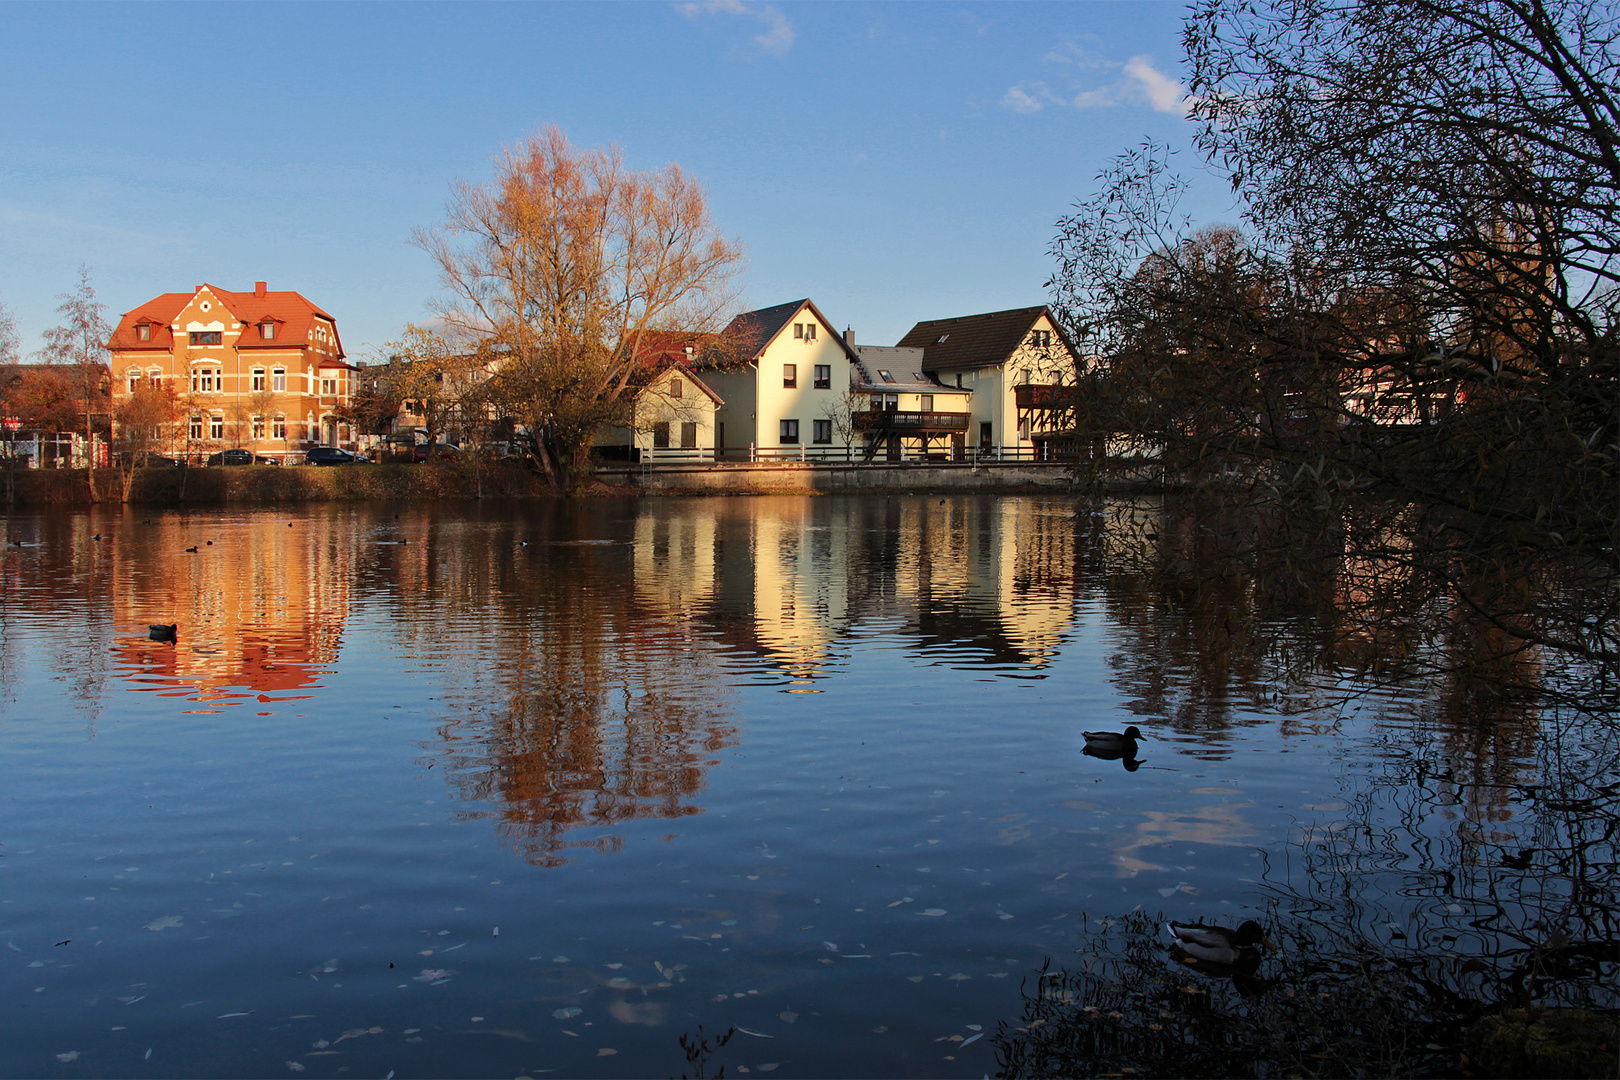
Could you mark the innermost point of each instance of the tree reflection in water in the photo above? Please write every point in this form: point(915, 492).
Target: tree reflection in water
point(1474, 870)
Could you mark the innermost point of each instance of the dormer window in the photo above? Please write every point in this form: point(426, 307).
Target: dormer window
point(143, 332)
point(267, 330)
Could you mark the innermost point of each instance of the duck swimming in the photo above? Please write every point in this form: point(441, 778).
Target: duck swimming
point(1216, 945)
point(161, 631)
point(1112, 740)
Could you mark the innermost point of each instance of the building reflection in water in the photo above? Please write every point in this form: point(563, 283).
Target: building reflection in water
point(261, 607)
point(581, 653)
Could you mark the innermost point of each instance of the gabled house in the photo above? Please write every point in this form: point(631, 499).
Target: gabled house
point(1016, 363)
point(785, 385)
point(262, 370)
point(671, 408)
point(902, 411)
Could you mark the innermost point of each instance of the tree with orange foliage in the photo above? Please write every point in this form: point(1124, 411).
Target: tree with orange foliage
point(562, 269)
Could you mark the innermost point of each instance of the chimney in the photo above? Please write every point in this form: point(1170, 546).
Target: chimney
point(849, 337)
point(258, 289)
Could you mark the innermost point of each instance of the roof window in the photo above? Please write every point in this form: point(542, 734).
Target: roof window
point(942, 338)
point(885, 376)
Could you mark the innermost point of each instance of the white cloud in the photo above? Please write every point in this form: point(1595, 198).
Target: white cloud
point(1019, 101)
point(778, 35)
point(1164, 93)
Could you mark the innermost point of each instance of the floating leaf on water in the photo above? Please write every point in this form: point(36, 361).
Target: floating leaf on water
point(165, 923)
point(432, 975)
point(606, 1051)
point(71, 1055)
point(755, 1034)
point(568, 1013)
point(559, 959)
point(959, 977)
point(769, 1067)
point(974, 1027)
point(787, 1017)
point(973, 1038)
point(614, 967)
point(295, 1066)
point(932, 912)
point(915, 978)
point(619, 982)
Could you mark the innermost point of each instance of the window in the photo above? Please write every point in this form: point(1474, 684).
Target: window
point(789, 433)
point(688, 435)
point(134, 380)
point(216, 427)
point(258, 427)
point(891, 402)
point(926, 402)
point(1023, 427)
point(984, 434)
point(798, 331)
point(660, 433)
point(278, 380)
point(267, 330)
point(328, 387)
point(821, 431)
point(207, 337)
point(790, 376)
point(676, 388)
point(155, 377)
point(823, 376)
point(877, 402)
point(805, 331)
point(278, 428)
point(1041, 339)
point(258, 378)
point(206, 380)
point(194, 428)
point(143, 332)
point(942, 338)
point(885, 376)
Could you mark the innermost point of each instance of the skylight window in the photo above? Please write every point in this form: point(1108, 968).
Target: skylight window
point(942, 338)
point(885, 376)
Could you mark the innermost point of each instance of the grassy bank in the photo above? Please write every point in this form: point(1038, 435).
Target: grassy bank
point(265, 484)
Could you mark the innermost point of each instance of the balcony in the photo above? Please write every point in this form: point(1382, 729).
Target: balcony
point(1030, 396)
point(911, 422)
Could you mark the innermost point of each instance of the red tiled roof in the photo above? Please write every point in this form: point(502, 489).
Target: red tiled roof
point(293, 314)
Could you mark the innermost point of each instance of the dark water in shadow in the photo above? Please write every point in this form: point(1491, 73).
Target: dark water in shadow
point(501, 791)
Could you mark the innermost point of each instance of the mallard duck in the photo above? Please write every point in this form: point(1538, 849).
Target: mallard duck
point(162, 631)
point(1216, 945)
point(1112, 740)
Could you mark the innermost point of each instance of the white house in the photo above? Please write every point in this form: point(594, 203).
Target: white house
point(785, 385)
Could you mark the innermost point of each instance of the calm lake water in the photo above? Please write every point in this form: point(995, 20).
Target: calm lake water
point(528, 789)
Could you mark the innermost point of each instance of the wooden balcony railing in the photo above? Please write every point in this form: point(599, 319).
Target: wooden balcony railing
point(908, 422)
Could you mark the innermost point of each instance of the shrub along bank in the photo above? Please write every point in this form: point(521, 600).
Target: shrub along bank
point(277, 484)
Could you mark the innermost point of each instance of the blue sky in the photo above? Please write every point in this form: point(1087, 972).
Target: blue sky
point(894, 162)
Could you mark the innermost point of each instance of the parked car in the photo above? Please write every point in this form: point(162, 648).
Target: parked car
point(419, 454)
point(146, 459)
point(333, 455)
point(238, 456)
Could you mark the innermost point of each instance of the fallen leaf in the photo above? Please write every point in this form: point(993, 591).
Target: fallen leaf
point(165, 923)
point(932, 912)
point(71, 1055)
point(606, 1051)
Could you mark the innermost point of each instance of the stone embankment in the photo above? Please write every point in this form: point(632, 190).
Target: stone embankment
point(288, 484)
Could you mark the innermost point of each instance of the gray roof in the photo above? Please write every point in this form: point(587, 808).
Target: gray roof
point(905, 368)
